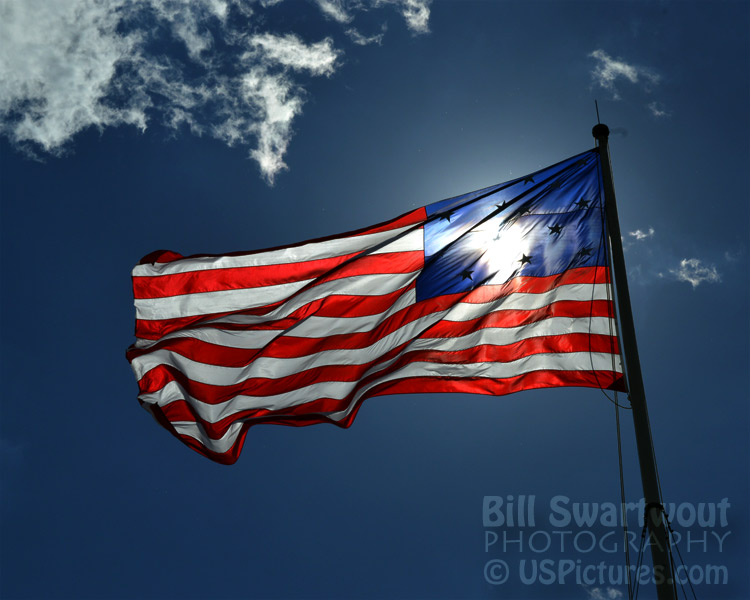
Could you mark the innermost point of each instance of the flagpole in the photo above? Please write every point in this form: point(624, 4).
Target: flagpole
point(660, 551)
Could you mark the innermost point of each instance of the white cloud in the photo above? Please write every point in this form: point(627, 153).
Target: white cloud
point(362, 40)
point(68, 66)
point(334, 9)
point(608, 70)
point(642, 235)
point(290, 51)
point(604, 594)
point(275, 100)
point(694, 272)
point(278, 105)
point(657, 110)
point(416, 13)
point(57, 60)
point(186, 20)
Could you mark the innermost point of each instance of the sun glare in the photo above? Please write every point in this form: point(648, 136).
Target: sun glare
point(502, 249)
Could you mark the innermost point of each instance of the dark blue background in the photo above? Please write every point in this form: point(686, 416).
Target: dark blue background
point(97, 501)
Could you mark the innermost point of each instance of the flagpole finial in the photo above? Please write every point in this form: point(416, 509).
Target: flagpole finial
point(600, 131)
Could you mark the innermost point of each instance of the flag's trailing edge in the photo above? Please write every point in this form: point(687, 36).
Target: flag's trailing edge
point(496, 291)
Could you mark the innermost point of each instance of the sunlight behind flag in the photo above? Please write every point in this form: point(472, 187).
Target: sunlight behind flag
point(492, 292)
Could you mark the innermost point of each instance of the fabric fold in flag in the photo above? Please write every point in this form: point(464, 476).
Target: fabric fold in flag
point(496, 291)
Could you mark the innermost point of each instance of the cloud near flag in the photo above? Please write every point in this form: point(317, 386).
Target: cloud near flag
point(493, 292)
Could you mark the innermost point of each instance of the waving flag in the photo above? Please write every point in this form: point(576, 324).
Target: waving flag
point(496, 291)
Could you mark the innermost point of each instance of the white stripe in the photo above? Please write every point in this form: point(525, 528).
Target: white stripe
point(207, 303)
point(323, 327)
point(504, 336)
point(213, 413)
point(194, 430)
point(312, 326)
point(190, 305)
point(277, 368)
point(413, 241)
point(309, 327)
point(319, 327)
point(580, 292)
point(246, 340)
point(554, 362)
point(304, 253)
point(568, 361)
point(355, 286)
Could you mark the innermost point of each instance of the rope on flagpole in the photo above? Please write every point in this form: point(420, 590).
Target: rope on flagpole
point(660, 551)
point(613, 332)
point(639, 561)
point(673, 543)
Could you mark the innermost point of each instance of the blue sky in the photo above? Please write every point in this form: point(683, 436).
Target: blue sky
point(226, 125)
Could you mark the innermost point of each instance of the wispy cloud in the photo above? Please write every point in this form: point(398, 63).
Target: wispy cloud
point(732, 256)
point(415, 12)
point(68, 66)
point(695, 272)
point(334, 9)
point(640, 235)
point(290, 51)
point(609, 71)
point(276, 103)
point(57, 61)
point(657, 110)
point(363, 40)
point(637, 236)
point(649, 261)
point(608, 593)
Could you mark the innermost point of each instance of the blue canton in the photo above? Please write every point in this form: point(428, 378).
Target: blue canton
point(539, 225)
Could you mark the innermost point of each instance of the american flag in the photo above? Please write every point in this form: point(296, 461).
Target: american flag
point(496, 291)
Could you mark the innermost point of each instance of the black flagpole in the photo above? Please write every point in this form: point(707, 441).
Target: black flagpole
point(660, 551)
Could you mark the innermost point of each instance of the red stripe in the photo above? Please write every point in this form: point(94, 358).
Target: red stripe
point(401, 262)
point(607, 380)
point(154, 329)
point(156, 378)
point(214, 280)
point(518, 318)
point(159, 376)
point(377, 264)
point(498, 387)
point(317, 410)
point(182, 411)
point(414, 217)
point(307, 413)
point(237, 278)
point(289, 346)
point(571, 342)
point(538, 285)
point(330, 306)
point(335, 305)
